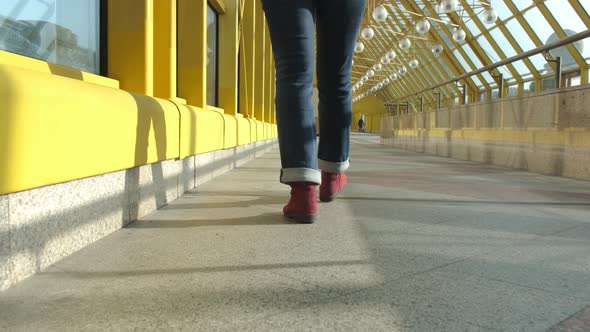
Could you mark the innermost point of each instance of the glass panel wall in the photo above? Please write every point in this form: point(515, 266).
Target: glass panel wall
point(63, 32)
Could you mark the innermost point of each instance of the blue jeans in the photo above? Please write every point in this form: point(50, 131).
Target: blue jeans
point(292, 26)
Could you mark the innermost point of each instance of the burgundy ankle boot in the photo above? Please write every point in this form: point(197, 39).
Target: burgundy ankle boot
point(302, 206)
point(332, 183)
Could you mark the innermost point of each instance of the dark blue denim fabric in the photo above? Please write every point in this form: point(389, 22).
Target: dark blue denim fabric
point(292, 25)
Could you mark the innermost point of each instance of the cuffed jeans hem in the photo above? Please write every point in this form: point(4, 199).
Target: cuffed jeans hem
point(289, 175)
point(333, 167)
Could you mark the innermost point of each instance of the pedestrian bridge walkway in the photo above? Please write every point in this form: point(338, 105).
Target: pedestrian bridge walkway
point(414, 243)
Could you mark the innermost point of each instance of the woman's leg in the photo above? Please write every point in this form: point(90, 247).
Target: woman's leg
point(338, 23)
point(292, 30)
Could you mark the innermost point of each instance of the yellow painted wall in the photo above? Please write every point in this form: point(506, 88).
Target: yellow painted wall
point(59, 124)
point(55, 129)
point(372, 108)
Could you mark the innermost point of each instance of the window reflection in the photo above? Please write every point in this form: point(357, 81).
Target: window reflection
point(64, 32)
point(212, 30)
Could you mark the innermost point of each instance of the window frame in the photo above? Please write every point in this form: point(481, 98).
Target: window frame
point(103, 36)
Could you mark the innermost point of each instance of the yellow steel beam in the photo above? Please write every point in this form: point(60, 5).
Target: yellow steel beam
point(478, 49)
point(220, 5)
point(423, 60)
point(456, 20)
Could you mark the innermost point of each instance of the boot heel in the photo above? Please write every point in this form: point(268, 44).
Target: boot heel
point(327, 199)
point(303, 218)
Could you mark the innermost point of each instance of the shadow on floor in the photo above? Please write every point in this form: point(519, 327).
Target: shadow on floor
point(263, 219)
point(453, 201)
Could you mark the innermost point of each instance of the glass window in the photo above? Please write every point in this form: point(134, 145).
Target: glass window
point(476, 80)
point(57, 31)
point(574, 81)
point(529, 87)
point(548, 83)
point(471, 55)
point(522, 69)
point(523, 4)
point(539, 24)
point(571, 23)
point(472, 27)
point(520, 35)
point(212, 52)
point(489, 79)
point(462, 61)
point(502, 42)
point(512, 90)
point(495, 94)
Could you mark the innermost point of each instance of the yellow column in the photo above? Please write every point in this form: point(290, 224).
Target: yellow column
point(192, 52)
point(584, 75)
point(260, 56)
point(228, 58)
point(247, 65)
point(130, 44)
point(259, 74)
point(165, 49)
point(268, 79)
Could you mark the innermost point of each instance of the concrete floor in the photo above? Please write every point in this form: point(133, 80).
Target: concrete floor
point(415, 243)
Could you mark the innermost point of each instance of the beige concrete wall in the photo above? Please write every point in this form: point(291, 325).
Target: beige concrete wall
point(547, 132)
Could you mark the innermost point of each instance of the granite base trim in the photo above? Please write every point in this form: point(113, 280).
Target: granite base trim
point(41, 226)
point(556, 160)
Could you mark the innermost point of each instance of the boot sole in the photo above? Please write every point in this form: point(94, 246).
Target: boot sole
point(327, 198)
point(303, 218)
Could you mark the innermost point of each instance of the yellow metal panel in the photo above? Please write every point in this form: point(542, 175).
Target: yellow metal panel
point(55, 129)
point(130, 44)
point(20, 61)
point(369, 105)
point(201, 130)
point(247, 63)
point(230, 131)
point(165, 49)
point(192, 52)
point(244, 131)
point(188, 130)
point(267, 133)
point(220, 5)
point(253, 130)
point(260, 65)
point(210, 131)
point(228, 58)
point(259, 130)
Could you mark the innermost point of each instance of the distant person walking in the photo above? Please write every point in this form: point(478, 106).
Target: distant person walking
point(292, 25)
point(361, 125)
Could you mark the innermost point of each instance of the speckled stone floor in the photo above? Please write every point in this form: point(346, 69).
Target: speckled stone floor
point(414, 243)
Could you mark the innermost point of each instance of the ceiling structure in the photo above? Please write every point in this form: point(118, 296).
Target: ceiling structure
point(409, 46)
